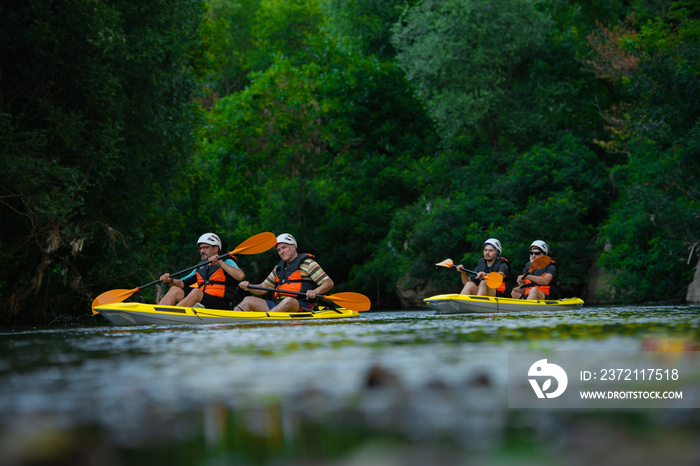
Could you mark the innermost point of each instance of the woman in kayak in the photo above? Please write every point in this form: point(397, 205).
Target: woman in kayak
point(491, 262)
point(216, 280)
point(298, 273)
point(539, 284)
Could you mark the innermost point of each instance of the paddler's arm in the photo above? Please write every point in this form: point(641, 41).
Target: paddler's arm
point(321, 289)
point(230, 270)
point(464, 275)
point(541, 280)
point(478, 276)
point(244, 285)
point(268, 283)
point(166, 278)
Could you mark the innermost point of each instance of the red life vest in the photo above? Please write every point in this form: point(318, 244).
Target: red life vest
point(288, 277)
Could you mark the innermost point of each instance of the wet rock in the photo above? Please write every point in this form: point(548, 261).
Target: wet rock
point(481, 380)
point(378, 377)
point(412, 291)
point(597, 289)
point(57, 447)
point(693, 295)
point(437, 386)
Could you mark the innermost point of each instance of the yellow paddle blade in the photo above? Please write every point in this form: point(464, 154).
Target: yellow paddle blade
point(493, 279)
point(446, 263)
point(349, 300)
point(111, 297)
point(256, 244)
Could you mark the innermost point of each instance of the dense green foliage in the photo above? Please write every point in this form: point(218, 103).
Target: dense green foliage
point(309, 146)
point(657, 126)
point(385, 135)
point(97, 117)
point(468, 59)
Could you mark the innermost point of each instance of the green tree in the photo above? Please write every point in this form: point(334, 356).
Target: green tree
point(316, 150)
point(283, 29)
point(654, 123)
point(246, 36)
point(364, 24)
point(653, 225)
point(228, 34)
point(97, 118)
point(553, 193)
point(465, 57)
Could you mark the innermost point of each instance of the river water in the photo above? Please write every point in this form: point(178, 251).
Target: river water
point(394, 387)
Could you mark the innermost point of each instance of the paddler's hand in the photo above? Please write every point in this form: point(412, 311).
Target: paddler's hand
point(311, 294)
point(214, 259)
point(480, 275)
point(244, 285)
point(460, 268)
point(520, 280)
point(166, 278)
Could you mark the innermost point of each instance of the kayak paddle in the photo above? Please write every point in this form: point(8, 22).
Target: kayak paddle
point(539, 263)
point(253, 245)
point(349, 300)
point(493, 279)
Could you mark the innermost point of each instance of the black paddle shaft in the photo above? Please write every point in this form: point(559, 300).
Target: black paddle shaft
point(458, 270)
point(188, 269)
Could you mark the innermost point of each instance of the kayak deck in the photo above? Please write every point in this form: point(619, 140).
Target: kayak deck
point(465, 304)
point(150, 314)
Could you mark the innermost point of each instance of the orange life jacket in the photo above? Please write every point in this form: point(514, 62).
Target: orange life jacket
point(288, 277)
point(482, 267)
point(212, 280)
point(550, 290)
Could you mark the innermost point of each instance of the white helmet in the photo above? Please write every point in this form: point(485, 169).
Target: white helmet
point(286, 238)
point(540, 245)
point(209, 238)
point(495, 243)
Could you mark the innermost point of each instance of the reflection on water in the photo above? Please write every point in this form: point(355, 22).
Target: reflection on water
point(397, 387)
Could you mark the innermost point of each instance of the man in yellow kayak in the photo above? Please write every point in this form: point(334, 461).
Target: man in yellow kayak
point(298, 273)
point(491, 262)
point(216, 280)
point(540, 283)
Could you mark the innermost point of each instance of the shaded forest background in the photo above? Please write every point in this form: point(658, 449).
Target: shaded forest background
point(386, 135)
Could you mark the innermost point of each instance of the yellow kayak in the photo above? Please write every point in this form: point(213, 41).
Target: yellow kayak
point(153, 314)
point(466, 304)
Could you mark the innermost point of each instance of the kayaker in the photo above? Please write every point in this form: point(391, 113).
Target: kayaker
point(216, 281)
point(541, 283)
point(491, 262)
point(295, 272)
